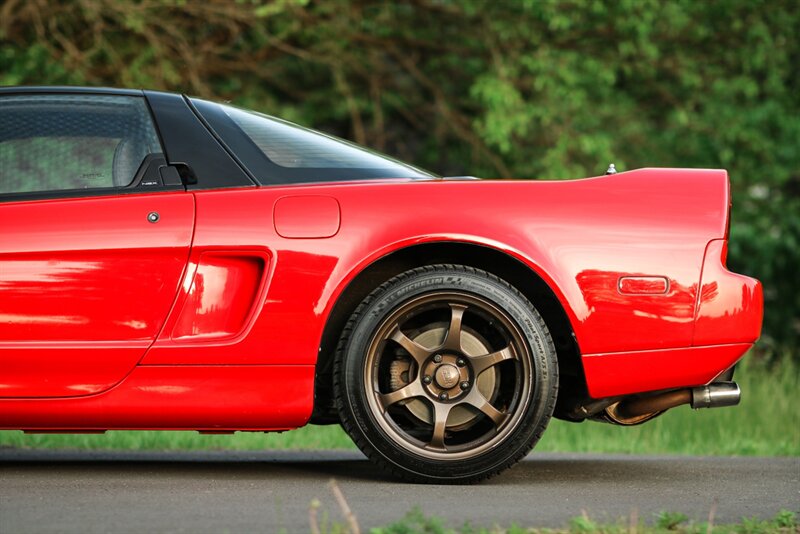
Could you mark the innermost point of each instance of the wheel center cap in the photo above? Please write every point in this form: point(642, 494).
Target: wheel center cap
point(447, 376)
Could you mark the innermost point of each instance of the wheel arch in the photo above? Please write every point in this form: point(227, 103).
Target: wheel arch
point(480, 256)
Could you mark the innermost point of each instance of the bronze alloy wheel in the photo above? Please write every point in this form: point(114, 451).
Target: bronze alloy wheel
point(451, 397)
point(445, 374)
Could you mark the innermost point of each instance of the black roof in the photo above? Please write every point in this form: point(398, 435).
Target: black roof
point(22, 89)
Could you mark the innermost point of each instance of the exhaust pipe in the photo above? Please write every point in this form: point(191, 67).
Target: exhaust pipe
point(716, 395)
point(637, 410)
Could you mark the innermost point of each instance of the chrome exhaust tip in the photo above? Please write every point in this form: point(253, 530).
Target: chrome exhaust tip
point(716, 395)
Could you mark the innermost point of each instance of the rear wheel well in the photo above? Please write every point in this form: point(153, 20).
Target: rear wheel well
point(516, 273)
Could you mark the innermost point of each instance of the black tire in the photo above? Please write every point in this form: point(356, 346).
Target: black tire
point(445, 374)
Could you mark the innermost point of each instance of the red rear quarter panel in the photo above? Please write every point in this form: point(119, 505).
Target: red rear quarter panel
point(580, 236)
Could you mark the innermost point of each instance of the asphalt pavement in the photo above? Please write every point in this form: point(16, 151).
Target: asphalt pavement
point(104, 491)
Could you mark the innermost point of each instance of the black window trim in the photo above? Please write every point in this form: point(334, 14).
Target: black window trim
point(221, 141)
point(188, 143)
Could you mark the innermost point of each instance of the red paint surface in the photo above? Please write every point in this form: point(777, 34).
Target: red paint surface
point(307, 216)
point(222, 296)
point(730, 306)
point(633, 372)
point(179, 397)
point(581, 237)
point(85, 286)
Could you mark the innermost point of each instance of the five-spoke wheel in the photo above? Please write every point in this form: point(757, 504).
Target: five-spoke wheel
point(446, 373)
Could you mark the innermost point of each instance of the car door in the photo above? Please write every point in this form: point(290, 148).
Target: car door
point(93, 240)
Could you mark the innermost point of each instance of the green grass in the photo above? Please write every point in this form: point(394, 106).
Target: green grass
point(784, 522)
point(766, 423)
point(308, 437)
point(663, 522)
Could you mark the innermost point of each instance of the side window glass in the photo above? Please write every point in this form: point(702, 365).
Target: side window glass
point(69, 142)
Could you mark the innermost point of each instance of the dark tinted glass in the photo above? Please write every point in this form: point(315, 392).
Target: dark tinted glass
point(277, 151)
point(67, 142)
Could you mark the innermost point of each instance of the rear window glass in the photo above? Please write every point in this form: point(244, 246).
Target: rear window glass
point(278, 151)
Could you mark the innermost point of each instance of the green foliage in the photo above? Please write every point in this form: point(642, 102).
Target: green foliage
point(530, 89)
point(784, 522)
point(670, 520)
point(414, 522)
point(785, 519)
point(582, 525)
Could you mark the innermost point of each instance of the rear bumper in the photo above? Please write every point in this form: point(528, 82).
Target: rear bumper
point(609, 375)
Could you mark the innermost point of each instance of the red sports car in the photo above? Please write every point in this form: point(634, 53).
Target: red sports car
point(172, 263)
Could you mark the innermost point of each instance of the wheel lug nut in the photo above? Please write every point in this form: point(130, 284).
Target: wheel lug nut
point(461, 362)
point(437, 358)
point(464, 384)
point(443, 396)
point(427, 379)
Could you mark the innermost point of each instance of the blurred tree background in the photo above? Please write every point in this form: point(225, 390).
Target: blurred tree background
point(528, 89)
